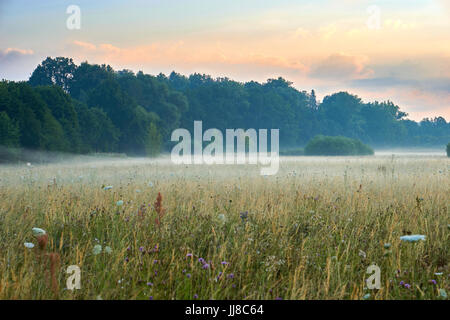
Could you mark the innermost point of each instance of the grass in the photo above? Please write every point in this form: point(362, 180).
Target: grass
point(311, 231)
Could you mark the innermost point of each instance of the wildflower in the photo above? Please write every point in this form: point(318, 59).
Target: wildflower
point(141, 249)
point(189, 255)
point(438, 273)
point(155, 261)
point(205, 266)
point(108, 250)
point(433, 281)
point(126, 259)
point(362, 254)
point(195, 296)
point(407, 286)
point(188, 275)
point(222, 218)
point(150, 184)
point(413, 238)
point(366, 296)
point(230, 276)
point(138, 191)
point(224, 263)
point(108, 188)
point(149, 284)
point(244, 215)
point(387, 245)
point(29, 245)
point(278, 298)
point(201, 260)
point(150, 298)
point(401, 283)
point(97, 249)
point(119, 203)
point(38, 232)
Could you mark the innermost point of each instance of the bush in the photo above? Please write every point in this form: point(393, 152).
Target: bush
point(448, 149)
point(336, 146)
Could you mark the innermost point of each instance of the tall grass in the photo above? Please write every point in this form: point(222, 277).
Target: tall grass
point(310, 232)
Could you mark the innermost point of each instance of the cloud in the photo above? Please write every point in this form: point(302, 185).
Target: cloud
point(180, 53)
point(341, 66)
point(15, 64)
point(10, 55)
point(85, 45)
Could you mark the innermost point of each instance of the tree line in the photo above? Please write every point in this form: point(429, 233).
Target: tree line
point(92, 108)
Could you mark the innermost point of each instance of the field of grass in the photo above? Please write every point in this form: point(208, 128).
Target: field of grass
point(225, 232)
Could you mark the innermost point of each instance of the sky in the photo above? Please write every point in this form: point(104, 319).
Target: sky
point(397, 50)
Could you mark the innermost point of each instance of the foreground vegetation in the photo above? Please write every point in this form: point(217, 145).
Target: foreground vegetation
point(225, 232)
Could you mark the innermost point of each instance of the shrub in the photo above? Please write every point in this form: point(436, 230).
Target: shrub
point(336, 146)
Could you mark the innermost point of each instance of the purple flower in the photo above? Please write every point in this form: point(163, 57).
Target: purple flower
point(141, 249)
point(201, 260)
point(151, 298)
point(401, 283)
point(244, 215)
point(188, 275)
point(231, 276)
point(126, 259)
point(278, 298)
point(205, 266)
point(155, 261)
point(407, 286)
point(189, 255)
point(433, 281)
point(224, 263)
point(195, 296)
point(150, 284)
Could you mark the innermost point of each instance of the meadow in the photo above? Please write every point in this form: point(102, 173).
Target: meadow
point(226, 232)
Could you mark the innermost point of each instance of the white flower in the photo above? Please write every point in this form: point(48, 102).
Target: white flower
point(97, 249)
point(29, 245)
point(362, 254)
point(38, 232)
point(413, 238)
point(108, 249)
